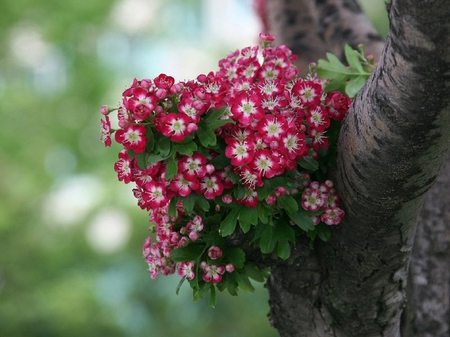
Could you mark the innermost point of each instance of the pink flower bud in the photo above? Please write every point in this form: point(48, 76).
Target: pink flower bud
point(161, 93)
point(266, 37)
point(227, 198)
point(193, 236)
point(280, 190)
point(274, 144)
point(105, 110)
point(146, 83)
point(229, 268)
point(214, 252)
point(210, 168)
point(192, 127)
point(183, 242)
point(271, 199)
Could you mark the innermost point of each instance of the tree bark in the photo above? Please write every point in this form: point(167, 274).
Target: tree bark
point(392, 146)
point(312, 28)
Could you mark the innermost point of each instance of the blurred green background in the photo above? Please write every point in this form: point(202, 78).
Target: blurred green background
point(70, 233)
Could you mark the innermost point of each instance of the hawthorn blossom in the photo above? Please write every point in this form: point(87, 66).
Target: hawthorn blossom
point(132, 137)
point(332, 216)
point(211, 186)
point(123, 167)
point(106, 131)
point(212, 273)
point(239, 152)
point(185, 269)
point(312, 199)
point(175, 126)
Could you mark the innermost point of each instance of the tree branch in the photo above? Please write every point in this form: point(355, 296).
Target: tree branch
point(391, 150)
point(393, 144)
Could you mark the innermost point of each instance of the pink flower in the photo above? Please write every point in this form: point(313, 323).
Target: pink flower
point(246, 108)
point(175, 126)
point(211, 186)
point(239, 152)
point(132, 137)
point(123, 167)
point(309, 93)
point(164, 82)
point(312, 199)
point(182, 186)
point(338, 105)
point(154, 195)
point(318, 119)
point(185, 269)
point(212, 273)
point(264, 164)
point(332, 216)
point(193, 167)
point(106, 131)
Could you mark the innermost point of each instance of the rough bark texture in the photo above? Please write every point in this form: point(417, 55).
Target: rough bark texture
point(428, 307)
point(391, 149)
point(312, 28)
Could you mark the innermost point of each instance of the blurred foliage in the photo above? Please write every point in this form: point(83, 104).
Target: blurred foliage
point(53, 280)
point(57, 178)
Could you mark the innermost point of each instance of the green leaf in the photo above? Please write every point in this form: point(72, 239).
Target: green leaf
point(283, 234)
point(214, 115)
point(236, 256)
point(254, 272)
point(288, 203)
point(352, 57)
point(228, 225)
point(171, 169)
point(248, 216)
point(333, 65)
point(283, 249)
point(180, 284)
point(302, 219)
point(154, 158)
point(337, 84)
point(142, 160)
point(263, 213)
point(202, 202)
point(187, 149)
point(323, 232)
point(173, 207)
point(231, 283)
point(206, 136)
point(245, 283)
point(354, 85)
point(264, 191)
point(189, 253)
point(189, 202)
point(221, 122)
point(309, 163)
point(220, 161)
point(266, 242)
point(164, 146)
point(150, 140)
point(212, 297)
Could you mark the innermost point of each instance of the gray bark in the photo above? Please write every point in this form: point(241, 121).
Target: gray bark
point(393, 144)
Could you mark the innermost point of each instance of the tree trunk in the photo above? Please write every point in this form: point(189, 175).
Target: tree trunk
point(391, 148)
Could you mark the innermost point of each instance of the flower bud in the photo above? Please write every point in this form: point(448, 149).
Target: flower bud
point(214, 252)
point(229, 268)
point(192, 127)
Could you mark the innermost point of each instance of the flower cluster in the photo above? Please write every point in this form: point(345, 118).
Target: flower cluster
point(244, 148)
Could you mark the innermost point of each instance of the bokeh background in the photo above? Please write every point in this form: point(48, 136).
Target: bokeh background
point(70, 233)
